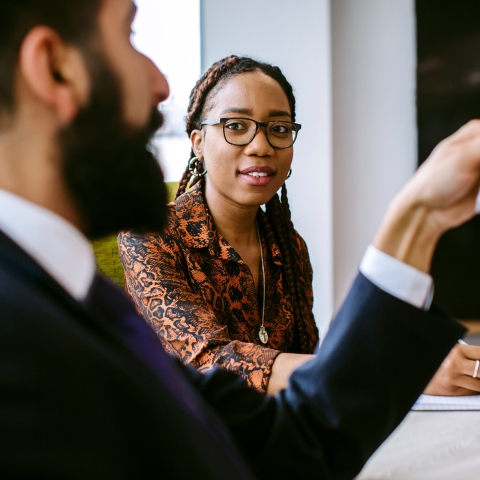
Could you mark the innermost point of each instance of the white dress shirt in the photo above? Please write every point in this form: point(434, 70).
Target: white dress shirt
point(55, 244)
point(397, 278)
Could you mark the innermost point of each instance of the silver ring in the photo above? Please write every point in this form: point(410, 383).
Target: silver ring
point(475, 372)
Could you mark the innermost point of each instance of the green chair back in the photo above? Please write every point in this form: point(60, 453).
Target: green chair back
point(106, 250)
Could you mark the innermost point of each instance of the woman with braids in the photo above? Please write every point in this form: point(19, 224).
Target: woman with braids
point(228, 283)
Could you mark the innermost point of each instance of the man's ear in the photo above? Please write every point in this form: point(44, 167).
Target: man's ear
point(196, 138)
point(55, 72)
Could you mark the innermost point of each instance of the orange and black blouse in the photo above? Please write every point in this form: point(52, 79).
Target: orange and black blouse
point(199, 296)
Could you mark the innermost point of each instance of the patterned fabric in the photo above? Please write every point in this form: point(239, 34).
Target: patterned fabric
point(199, 296)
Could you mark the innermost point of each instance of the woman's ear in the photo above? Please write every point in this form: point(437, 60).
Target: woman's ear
point(196, 137)
point(54, 72)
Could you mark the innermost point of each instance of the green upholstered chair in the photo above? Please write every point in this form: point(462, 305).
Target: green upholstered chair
point(106, 250)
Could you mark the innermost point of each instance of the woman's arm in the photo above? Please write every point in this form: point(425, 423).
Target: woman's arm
point(455, 375)
point(283, 367)
point(157, 278)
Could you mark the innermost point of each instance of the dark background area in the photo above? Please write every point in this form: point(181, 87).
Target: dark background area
point(448, 95)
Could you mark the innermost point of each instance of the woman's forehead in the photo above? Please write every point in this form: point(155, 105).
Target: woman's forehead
point(253, 91)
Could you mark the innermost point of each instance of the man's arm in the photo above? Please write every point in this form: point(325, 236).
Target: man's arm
point(377, 357)
point(380, 351)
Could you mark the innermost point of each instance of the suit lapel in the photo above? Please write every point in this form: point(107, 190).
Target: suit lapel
point(113, 317)
point(20, 264)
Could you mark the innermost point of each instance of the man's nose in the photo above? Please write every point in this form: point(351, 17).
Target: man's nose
point(158, 82)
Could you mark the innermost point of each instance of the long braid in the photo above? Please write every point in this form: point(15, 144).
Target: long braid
point(196, 108)
point(275, 217)
point(279, 217)
point(307, 330)
point(278, 211)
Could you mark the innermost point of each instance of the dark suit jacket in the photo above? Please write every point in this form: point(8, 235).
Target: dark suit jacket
point(86, 391)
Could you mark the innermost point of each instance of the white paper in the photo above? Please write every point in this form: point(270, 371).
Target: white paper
point(439, 403)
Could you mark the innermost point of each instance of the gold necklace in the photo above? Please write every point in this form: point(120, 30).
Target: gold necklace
point(262, 334)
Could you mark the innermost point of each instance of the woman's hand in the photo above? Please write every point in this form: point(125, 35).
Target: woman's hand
point(455, 375)
point(283, 367)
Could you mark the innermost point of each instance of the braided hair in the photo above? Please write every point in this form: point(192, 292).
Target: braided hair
point(277, 209)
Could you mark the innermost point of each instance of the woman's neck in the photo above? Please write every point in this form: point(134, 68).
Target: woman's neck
point(236, 223)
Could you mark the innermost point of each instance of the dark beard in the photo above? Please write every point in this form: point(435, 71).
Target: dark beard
point(116, 182)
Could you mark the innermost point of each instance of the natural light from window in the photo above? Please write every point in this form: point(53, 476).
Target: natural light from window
point(168, 31)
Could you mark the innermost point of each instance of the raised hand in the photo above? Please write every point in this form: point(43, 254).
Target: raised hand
point(441, 195)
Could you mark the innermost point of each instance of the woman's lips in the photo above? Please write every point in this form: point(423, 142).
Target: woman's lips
point(258, 176)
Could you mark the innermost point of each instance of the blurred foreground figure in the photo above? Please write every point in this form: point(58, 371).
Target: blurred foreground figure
point(86, 389)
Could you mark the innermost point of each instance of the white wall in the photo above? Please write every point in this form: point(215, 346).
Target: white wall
point(374, 124)
point(296, 37)
point(352, 63)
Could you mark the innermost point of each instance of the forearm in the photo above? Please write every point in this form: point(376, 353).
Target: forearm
point(250, 361)
point(190, 330)
point(407, 234)
point(441, 195)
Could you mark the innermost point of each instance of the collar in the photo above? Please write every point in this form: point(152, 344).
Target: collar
point(195, 227)
point(55, 244)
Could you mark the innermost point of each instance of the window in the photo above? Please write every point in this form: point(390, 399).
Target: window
point(169, 33)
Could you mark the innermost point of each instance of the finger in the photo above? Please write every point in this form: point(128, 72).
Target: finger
point(469, 130)
point(467, 367)
point(464, 145)
point(471, 352)
point(472, 384)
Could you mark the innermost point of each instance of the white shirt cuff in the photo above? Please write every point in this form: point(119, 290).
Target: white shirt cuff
point(397, 278)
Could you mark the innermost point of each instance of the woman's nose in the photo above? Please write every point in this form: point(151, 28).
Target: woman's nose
point(260, 145)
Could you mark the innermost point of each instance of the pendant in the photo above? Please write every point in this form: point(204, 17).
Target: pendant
point(263, 335)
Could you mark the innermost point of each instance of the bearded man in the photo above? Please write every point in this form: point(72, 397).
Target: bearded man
point(86, 389)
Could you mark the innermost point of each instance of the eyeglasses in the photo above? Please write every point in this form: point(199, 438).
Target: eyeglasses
point(241, 131)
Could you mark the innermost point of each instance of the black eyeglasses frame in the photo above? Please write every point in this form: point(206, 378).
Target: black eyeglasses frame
point(224, 120)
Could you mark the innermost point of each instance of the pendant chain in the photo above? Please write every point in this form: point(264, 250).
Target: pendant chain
point(262, 334)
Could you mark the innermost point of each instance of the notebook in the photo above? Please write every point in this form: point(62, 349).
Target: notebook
point(437, 403)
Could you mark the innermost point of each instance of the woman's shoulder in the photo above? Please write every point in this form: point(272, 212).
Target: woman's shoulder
point(171, 221)
point(191, 202)
point(297, 240)
point(303, 251)
point(302, 244)
point(130, 238)
point(186, 219)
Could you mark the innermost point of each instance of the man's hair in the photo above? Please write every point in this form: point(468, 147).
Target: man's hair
point(75, 22)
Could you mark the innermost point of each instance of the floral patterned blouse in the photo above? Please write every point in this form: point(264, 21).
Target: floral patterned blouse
point(199, 296)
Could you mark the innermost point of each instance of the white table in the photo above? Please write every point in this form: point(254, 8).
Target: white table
point(429, 446)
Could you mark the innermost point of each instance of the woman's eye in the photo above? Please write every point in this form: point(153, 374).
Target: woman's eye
point(280, 128)
point(235, 126)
